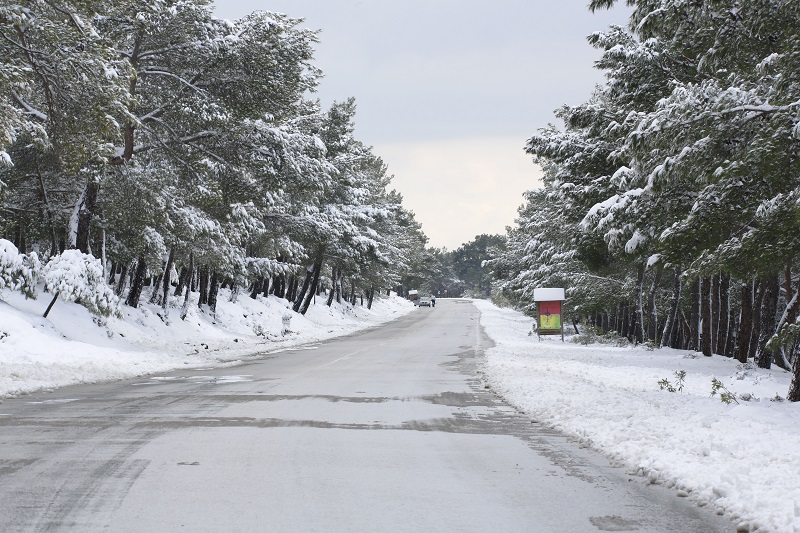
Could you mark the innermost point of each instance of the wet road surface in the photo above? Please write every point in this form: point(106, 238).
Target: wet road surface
point(388, 430)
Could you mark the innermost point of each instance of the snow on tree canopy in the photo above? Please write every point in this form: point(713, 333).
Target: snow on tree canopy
point(78, 277)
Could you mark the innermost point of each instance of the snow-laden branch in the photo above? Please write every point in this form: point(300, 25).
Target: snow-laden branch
point(29, 109)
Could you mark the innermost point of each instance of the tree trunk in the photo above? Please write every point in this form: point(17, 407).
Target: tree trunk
point(724, 313)
point(85, 214)
point(639, 313)
point(745, 323)
point(370, 296)
point(52, 303)
point(730, 342)
point(705, 312)
point(265, 290)
point(213, 292)
point(329, 302)
point(257, 286)
point(306, 284)
point(167, 277)
point(714, 310)
point(190, 271)
point(123, 279)
point(669, 326)
point(652, 311)
point(138, 282)
point(182, 277)
point(314, 282)
point(770, 307)
point(290, 290)
point(794, 387)
point(789, 316)
point(203, 296)
point(694, 317)
point(626, 324)
point(112, 278)
point(758, 303)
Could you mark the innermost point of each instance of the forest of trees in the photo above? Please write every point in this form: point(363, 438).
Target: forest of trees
point(670, 202)
point(170, 148)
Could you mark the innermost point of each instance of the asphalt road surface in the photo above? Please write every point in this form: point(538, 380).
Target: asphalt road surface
point(392, 429)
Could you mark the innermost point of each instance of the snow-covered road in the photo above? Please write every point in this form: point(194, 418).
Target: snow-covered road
point(392, 429)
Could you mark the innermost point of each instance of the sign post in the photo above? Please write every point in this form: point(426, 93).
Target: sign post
point(548, 311)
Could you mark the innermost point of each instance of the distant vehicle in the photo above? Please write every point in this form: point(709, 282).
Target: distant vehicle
point(413, 296)
point(424, 301)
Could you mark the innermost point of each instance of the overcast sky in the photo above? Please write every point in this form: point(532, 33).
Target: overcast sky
point(448, 91)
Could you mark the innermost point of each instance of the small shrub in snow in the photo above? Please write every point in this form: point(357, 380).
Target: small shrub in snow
point(680, 377)
point(590, 335)
point(725, 395)
point(18, 271)
point(76, 277)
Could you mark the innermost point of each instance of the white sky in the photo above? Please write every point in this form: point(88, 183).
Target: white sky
point(448, 91)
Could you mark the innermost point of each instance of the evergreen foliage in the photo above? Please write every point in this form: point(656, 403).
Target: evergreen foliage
point(152, 136)
point(670, 208)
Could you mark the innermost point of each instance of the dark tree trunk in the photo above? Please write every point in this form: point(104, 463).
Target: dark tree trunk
point(794, 388)
point(724, 313)
point(672, 317)
point(85, 214)
point(280, 290)
point(273, 288)
point(638, 330)
point(705, 312)
point(314, 282)
point(52, 303)
point(715, 312)
point(290, 290)
point(202, 299)
point(370, 296)
point(123, 280)
point(730, 342)
point(306, 284)
point(685, 331)
point(652, 311)
point(694, 317)
point(154, 294)
point(257, 287)
point(770, 308)
point(113, 277)
point(182, 281)
point(329, 302)
point(138, 283)
point(745, 323)
point(625, 320)
point(213, 292)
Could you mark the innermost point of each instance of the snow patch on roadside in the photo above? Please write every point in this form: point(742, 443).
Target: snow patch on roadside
point(71, 346)
point(742, 459)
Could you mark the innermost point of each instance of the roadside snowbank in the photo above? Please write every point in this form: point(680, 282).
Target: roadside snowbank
point(71, 346)
point(743, 459)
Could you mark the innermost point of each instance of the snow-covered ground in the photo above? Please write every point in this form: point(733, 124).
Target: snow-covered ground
point(71, 346)
point(742, 459)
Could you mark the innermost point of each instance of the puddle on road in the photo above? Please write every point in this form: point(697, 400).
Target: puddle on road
point(215, 380)
point(50, 402)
